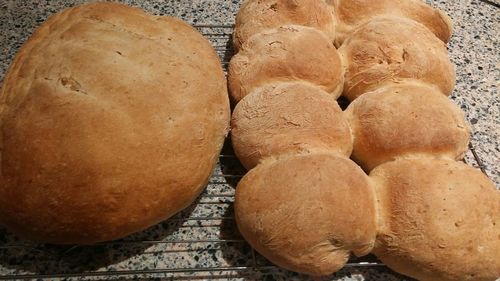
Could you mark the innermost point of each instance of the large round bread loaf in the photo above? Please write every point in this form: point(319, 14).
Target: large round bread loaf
point(353, 13)
point(286, 118)
point(391, 49)
point(277, 55)
point(406, 120)
point(111, 121)
point(439, 220)
point(255, 16)
point(307, 213)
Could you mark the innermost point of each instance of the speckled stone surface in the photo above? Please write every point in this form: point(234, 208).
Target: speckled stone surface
point(205, 235)
point(474, 50)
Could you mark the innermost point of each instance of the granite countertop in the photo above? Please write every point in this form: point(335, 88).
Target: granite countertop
point(189, 240)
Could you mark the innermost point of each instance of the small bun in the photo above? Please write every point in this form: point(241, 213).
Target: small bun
point(391, 49)
point(306, 213)
point(256, 16)
point(277, 55)
point(440, 220)
point(405, 120)
point(288, 117)
point(353, 13)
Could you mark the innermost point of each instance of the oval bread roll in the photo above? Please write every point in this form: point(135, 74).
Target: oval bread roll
point(440, 220)
point(389, 49)
point(307, 213)
point(256, 16)
point(111, 121)
point(277, 55)
point(288, 118)
point(353, 13)
point(406, 120)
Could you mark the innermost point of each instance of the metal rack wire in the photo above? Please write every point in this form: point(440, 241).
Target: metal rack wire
point(214, 250)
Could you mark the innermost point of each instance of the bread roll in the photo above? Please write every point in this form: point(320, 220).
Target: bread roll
point(389, 49)
point(439, 220)
point(307, 213)
point(406, 120)
point(288, 117)
point(111, 121)
point(353, 13)
point(277, 55)
point(256, 16)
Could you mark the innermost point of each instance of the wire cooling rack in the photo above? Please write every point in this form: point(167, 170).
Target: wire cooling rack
point(201, 242)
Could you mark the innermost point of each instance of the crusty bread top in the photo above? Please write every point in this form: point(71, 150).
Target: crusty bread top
point(307, 212)
point(389, 49)
point(353, 13)
point(111, 121)
point(409, 119)
point(439, 220)
point(256, 16)
point(286, 118)
point(279, 54)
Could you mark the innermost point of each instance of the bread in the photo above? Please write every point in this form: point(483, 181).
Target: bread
point(288, 129)
point(406, 120)
point(353, 13)
point(286, 118)
point(439, 220)
point(392, 49)
point(306, 213)
point(277, 55)
point(256, 16)
point(111, 121)
point(304, 205)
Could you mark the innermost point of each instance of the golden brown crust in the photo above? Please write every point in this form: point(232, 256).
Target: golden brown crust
point(351, 14)
point(440, 220)
point(306, 213)
point(256, 16)
point(406, 120)
point(277, 55)
point(111, 121)
point(288, 118)
point(391, 49)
